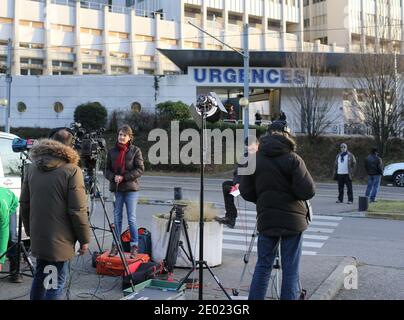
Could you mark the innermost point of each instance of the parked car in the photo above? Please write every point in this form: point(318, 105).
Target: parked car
point(394, 173)
point(10, 173)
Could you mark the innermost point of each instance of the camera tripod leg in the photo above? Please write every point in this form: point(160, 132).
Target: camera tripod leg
point(246, 259)
point(217, 280)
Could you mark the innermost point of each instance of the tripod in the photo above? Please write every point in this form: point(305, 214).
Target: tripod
point(178, 225)
point(201, 262)
point(276, 266)
point(19, 245)
point(94, 192)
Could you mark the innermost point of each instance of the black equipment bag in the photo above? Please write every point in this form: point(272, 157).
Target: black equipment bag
point(146, 271)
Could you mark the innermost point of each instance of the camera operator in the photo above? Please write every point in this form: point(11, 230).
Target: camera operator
point(53, 207)
point(279, 186)
point(8, 205)
point(124, 167)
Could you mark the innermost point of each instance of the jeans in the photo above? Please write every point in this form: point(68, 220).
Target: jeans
point(343, 179)
point(231, 211)
point(130, 199)
point(44, 272)
point(13, 237)
point(291, 250)
point(373, 187)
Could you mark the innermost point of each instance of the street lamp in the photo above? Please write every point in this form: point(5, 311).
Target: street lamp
point(3, 102)
point(244, 102)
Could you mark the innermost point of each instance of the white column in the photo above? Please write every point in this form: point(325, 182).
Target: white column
point(402, 28)
point(78, 70)
point(264, 24)
point(283, 24)
point(15, 67)
point(157, 55)
point(47, 39)
point(246, 12)
point(225, 30)
point(363, 29)
point(204, 13)
point(301, 25)
point(377, 38)
point(132, 39)
point(181, 24)
point(105, 40)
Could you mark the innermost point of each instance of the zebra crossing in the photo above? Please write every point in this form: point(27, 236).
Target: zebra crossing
point(314, 237)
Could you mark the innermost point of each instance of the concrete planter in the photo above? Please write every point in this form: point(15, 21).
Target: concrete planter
point(212, 249)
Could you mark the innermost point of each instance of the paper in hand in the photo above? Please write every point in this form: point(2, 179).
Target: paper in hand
point(234, 191)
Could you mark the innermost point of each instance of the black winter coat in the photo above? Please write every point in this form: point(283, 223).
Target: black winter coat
point(374, 165)
point(279, 186)
point(134, 168)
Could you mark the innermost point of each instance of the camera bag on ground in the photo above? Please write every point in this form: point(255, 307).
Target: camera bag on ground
point(145, 271)
point(144, 241)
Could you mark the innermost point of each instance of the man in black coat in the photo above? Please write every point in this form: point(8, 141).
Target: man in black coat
point(279, 187)
point(374, 169)
point(229, 186)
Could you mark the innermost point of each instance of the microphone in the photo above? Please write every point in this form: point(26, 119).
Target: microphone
point(119, 173)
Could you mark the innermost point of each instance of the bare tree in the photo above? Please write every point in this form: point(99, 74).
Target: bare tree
point(312, 94)
point(378, 80)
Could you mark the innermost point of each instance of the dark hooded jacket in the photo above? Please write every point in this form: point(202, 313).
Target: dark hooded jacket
point(53, 202)
point(279, 186)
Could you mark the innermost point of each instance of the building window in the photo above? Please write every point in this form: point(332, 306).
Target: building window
point(120, 55)
point(92, 68)
point(119, 70)
point(146, 71)
point(58, 107)
point(136, 106)
point(117, 34)
point(62, 27)
point(62, 73)
point(144, 38)
point(306, 23)
point(21, 107)
point(94, 32)
point(30, 45)
point(31, 72)
point(62, 49)
point(317, 1)
point(91, 52)
point(32, 24)
point(6, 20)
point(171, 42)
point(191, 44)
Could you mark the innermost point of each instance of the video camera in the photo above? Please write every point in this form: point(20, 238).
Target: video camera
point(21, 145)
point(88, 144)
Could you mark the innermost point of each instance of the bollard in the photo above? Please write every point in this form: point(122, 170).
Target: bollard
point(177, 193)
point(363, 203)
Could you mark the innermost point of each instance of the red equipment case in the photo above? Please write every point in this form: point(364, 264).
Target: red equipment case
point(112, 266)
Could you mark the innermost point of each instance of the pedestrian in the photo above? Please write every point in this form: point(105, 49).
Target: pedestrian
point(124, 168)
point(282, 116)
point(229, 186)
point(279, 187)
point(258, 118)
point(344, 168)
point(374, 169)
point(53, 205)
point(8, 206)
point(232, 113)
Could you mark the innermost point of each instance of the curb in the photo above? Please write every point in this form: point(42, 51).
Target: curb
point(389, 216)
point(331, 286)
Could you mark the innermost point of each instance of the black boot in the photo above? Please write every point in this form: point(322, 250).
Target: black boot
point(15, 277)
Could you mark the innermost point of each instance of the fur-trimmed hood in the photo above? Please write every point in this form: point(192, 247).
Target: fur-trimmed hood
point(50, 154)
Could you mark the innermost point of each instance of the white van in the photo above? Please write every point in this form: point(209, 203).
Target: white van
point(10, 174)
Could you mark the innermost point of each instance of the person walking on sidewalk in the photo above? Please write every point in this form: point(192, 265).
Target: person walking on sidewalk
point(344, 167)
point(279, 187)
point(229, 186)
point(374, 169)
point(124, 168)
